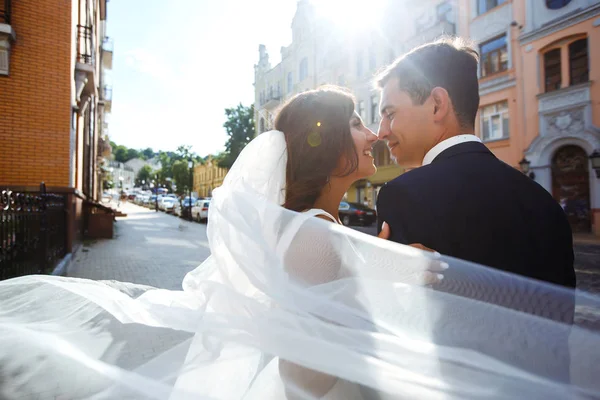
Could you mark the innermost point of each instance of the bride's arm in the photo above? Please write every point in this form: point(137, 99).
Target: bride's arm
point(311, 260)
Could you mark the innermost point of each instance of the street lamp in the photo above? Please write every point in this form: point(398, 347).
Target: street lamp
point(525, 165)
point(595, 159)
point(190, 166)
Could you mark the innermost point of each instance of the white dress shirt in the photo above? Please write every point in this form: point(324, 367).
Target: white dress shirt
point(446, 144)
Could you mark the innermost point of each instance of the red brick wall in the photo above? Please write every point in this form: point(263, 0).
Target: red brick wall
point(35, 109)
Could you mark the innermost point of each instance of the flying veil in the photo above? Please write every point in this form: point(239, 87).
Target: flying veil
point(282, 286)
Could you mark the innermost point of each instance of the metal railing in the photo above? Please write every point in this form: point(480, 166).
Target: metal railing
point(107, 93)
point(107, 44)
point(5, 11)
point(33, 231)
point(85, 45)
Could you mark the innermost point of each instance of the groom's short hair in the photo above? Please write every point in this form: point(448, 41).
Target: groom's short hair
point(450, 63)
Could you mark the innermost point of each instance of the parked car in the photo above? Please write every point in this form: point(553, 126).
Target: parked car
point(200, 210)
point(187, 203)
point(166, 204)
point(356, 214)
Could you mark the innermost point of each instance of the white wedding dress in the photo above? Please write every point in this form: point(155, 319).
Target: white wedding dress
point(281, 285)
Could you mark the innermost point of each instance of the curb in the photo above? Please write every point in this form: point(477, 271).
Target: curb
point(63, 265)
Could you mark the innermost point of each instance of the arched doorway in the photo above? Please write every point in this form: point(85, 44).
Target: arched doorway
point(571, 185)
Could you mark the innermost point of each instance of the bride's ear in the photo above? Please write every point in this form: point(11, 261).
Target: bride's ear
point(441, 103)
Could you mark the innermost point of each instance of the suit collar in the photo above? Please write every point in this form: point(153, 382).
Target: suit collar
point(462, 148)
point(446, 144)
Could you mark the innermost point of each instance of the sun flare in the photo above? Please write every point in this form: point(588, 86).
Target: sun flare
point(355, 15)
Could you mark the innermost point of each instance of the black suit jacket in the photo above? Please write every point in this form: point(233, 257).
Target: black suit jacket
point(467, 204)
point(470, 205)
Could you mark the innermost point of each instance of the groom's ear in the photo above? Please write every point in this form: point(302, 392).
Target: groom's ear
point(441, 103)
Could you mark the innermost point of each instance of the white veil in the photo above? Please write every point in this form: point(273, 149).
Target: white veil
point(283, 286)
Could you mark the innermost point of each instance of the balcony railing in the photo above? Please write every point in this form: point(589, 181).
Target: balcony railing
point(108, 44)
point(107, 93)
point(5, 11)
point(85, 45)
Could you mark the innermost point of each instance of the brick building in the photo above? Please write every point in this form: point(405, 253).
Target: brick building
point(53, 100)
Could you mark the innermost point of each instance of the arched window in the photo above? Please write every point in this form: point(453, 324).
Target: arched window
point(552, 70)
point(556, 4)
point(262, 125)
point(303, 69)
point(578, 62)
point(290, 83)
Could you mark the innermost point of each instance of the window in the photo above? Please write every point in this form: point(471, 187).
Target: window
point(556, 4)
point(552, 70)
point(381, 154)
point(359, 64)
point(374, 109)
point(494, 56)
point(262, 125)
point(360, 109)
point(372, 59)
point(494, 122)
point(578, 62)
point(290, 83)
point(487, 5)
point(444, 11)
point(303, 69)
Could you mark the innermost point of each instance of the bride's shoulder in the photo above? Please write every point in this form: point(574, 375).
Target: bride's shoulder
point(317, 212)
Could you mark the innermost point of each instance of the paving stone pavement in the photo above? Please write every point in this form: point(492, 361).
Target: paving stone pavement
point(149, 249)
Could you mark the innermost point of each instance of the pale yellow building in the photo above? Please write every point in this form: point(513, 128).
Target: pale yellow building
point(207, 177)
point(321, 54)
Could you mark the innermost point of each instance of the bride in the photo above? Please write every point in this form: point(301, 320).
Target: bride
point(292, 304)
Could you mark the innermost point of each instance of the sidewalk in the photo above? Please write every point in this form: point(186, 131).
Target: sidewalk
point(149, 248)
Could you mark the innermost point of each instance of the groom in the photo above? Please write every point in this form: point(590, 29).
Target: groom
point(461, 200)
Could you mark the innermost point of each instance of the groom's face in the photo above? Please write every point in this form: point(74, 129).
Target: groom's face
point(406, 127)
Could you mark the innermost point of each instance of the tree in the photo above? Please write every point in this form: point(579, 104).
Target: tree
point(148, 153)
point(145, 174)
point(131, 154)
point(240, 129)
point(120, 153)
point(181, 176)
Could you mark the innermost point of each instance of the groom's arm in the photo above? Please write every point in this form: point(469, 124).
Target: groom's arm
point(396, 207)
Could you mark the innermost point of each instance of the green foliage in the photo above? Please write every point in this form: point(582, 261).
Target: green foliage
point(240, 129)
point(147, 153)
point(181, 176)
point(144, 174)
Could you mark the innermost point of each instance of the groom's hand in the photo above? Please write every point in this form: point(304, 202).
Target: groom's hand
point(386, 232)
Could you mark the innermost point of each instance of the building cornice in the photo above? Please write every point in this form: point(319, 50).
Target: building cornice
point(561, 24)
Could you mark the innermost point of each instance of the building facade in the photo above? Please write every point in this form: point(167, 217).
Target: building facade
point(54, 100)
point(208, 177)
point(323, 53)
point(540, 93)
point(540, 96)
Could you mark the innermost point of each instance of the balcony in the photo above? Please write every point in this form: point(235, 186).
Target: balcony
point(7, 36)
point(430, 33)
point(106, 97)
point(85, 71)
point(107, 53)
point(273, 99)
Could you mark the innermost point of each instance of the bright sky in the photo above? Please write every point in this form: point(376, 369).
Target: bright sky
point(178, 64)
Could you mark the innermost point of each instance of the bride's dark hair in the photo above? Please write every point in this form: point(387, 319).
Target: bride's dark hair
point(316, 125)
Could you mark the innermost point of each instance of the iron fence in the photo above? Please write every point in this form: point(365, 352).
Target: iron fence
point(33, 231)
point(5, 11)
